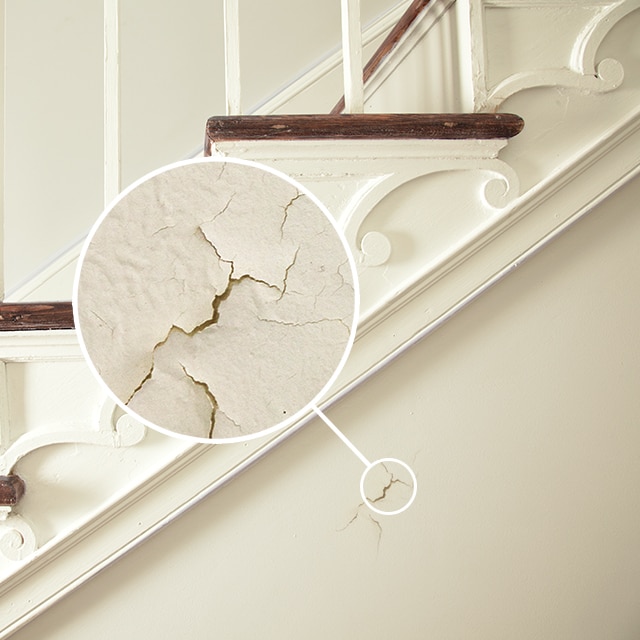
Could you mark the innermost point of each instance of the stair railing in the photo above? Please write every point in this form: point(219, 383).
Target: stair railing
point(351, 51)
point(59, 315)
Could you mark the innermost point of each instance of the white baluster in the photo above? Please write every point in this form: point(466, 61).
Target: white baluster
point(111, 102)
point(352, 56)
point(232, 56)
point(2, 123)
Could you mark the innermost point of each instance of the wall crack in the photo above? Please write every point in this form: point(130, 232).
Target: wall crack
point(286, 213)
point(212, 398)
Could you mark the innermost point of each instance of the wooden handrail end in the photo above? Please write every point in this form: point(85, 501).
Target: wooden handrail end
point(12, 488)
point(31, 316)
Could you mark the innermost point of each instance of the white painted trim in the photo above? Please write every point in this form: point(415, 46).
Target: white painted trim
point(352, 57)
point(5, 431)
point(2, 144)
point(478, 52)
point(111, 101)
point(232, 57)
point(465, 54)
point(39, 346)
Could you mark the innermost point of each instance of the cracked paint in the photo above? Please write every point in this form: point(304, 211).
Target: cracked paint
point(215, 302)
point(366, 520)
point(388, 486)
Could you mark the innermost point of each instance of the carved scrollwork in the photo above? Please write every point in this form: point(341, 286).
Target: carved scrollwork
point(607, 76)
point(113, 428)
point(501, 187)
point(17, 538)
point(583, 73)
point(374, 248)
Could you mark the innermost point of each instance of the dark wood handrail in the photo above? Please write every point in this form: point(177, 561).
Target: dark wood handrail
point(30, 316)
point(432, 126)
point(388, 44)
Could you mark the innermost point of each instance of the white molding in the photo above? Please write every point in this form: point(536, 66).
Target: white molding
point(29, 346)
point(111, 100)
point(352, 64)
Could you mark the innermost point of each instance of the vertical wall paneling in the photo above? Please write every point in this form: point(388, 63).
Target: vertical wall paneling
point(111, 102)
point(352, 56)
point(232, 56)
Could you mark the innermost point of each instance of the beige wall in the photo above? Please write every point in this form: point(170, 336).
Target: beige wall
point(521, 420)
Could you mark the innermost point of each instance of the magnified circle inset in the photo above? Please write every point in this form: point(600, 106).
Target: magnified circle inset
point(216, 300)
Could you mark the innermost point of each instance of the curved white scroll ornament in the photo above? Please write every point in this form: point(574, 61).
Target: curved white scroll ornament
point(17, 538)
point(114, 429)
point(501, 187)
point(607, 77)
point(374, 248)
point(583, 56)
point(583, 73)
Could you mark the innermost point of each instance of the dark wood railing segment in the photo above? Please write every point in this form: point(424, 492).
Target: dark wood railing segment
point(30, 316)
point(12, 488)
point(425, 126)
point(388, 44)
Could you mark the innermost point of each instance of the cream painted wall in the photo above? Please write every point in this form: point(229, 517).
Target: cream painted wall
point(521, 419)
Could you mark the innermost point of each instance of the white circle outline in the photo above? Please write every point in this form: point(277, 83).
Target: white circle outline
point(306, 409)
point(413, 479)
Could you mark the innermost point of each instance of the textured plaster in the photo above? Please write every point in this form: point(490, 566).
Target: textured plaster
point(215, 300)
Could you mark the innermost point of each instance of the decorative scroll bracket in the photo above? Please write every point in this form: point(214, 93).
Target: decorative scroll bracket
point(111, 427)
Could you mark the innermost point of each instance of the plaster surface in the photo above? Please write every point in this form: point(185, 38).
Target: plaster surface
point(215, 299)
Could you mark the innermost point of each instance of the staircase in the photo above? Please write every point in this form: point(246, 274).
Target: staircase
point(437, 208)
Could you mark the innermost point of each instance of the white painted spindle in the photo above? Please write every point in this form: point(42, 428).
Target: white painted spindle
point(352, 56)
point(232, 55)
point(2, 152)
point(111, 102)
